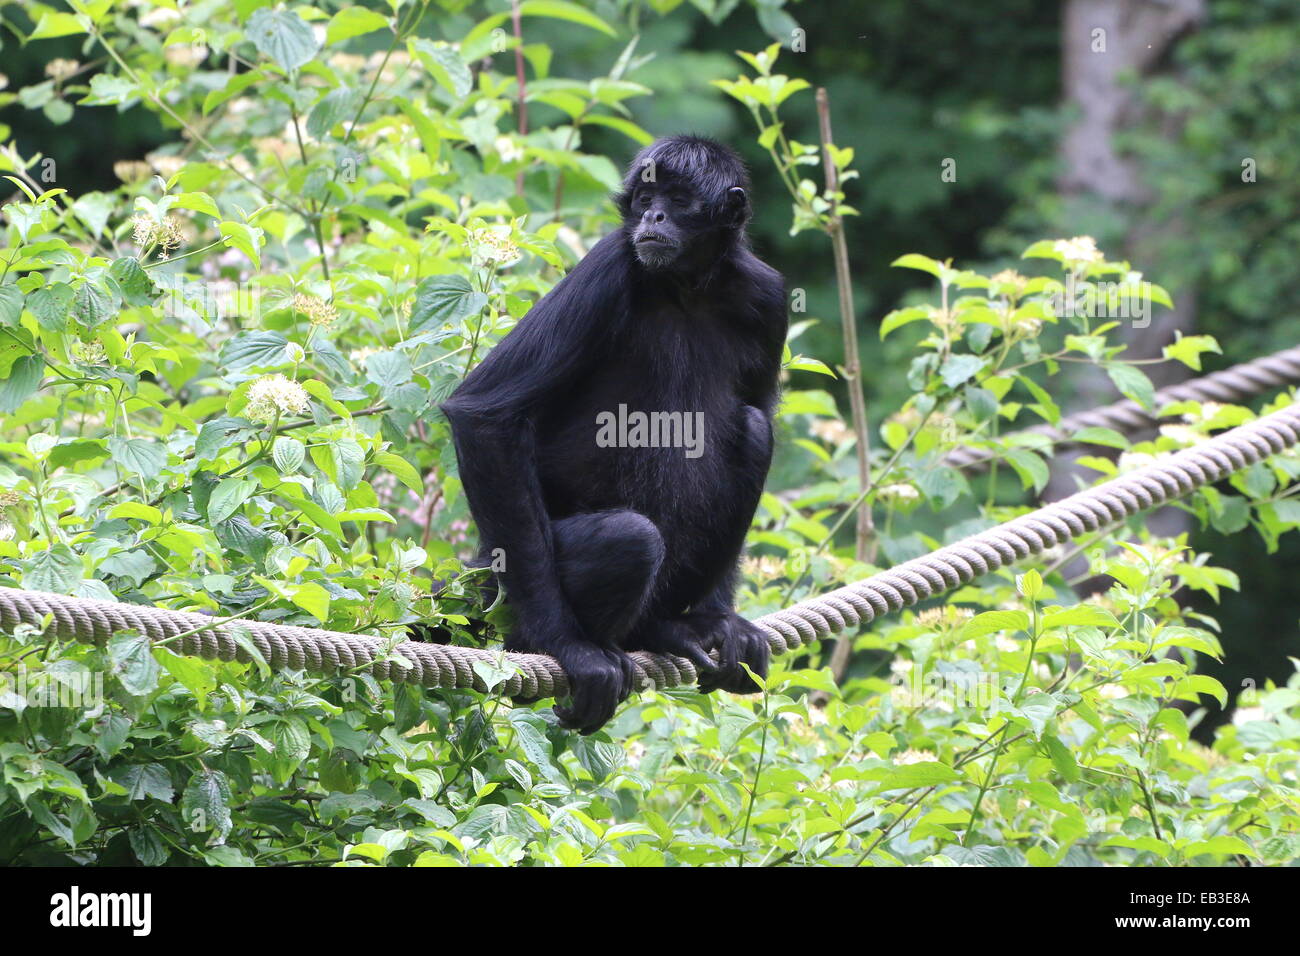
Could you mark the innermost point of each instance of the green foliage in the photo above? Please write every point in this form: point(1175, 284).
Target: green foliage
point(219, 384)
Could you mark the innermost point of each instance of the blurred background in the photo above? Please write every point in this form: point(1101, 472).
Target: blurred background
point(1166, 130)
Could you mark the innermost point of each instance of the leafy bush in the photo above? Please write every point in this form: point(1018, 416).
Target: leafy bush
point(219, 382)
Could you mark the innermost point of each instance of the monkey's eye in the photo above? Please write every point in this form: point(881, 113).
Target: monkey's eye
point(681, 200)
point(643, 198)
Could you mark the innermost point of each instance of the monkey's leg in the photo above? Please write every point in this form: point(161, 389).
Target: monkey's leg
point(608, 561)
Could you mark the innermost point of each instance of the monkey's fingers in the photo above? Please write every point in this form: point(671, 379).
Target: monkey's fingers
point(586, 718)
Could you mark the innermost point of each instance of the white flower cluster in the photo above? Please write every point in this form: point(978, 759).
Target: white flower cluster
point(1080, 249)
point(492, 244)
point(274, 395)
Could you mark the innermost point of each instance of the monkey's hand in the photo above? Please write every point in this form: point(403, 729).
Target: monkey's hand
point(681, 637)
point(599, 680)
point(737, 642)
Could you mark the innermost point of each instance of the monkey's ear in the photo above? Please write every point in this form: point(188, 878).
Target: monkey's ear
point(737, 205)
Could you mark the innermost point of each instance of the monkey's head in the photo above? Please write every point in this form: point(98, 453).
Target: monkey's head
point(684, 202)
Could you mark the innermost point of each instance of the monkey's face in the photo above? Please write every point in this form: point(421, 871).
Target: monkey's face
point(661, 222)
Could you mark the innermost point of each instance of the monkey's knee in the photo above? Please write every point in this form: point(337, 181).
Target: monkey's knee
point(614, 544)
point(608, 562)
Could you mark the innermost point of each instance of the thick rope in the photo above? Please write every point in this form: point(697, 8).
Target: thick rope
point(1230, 385)
point(438, 665)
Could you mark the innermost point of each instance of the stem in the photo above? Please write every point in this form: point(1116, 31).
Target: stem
point(758, 773)
point(987, 783)
point(315, 207)
point(473, 348)
point(865, 544)
point(1151, 807)
point(520, 81)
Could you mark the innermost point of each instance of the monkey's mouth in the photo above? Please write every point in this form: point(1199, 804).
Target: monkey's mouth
point(654, 237)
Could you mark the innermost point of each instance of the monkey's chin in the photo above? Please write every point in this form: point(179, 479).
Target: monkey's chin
point(656, 255)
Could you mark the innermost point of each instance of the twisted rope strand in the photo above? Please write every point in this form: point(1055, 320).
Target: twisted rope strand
point(439, 665)
point(1229, 385)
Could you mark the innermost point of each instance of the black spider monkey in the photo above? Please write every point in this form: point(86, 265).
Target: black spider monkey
point(633, 547)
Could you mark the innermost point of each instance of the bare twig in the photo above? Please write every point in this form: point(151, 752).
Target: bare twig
point(515, 20)
point(865, 537)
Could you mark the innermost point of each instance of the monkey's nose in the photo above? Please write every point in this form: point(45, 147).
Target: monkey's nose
point(655, 216)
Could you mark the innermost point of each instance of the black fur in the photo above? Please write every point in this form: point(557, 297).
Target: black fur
point(612, 549)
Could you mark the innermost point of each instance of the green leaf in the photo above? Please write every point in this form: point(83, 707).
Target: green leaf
point(21, 384)
point(282, 35)
point(1222, 845)
point(333, 108)
point(1062, 759)
point(313, 599)
point(1148, 844)
point(234, 85)
point(347, 461)
point(318, 515)
point(147, 846)
point(144, 781)
point(366, 514)
point(1097, 435)
point(388, 369)
point(1030, 467)
point(11, 306)
point(107, 89)
point(238, 534)
point(901, 317)
point(441, 300)
point(1030, 584)
point(563, 10)
point(1188, 348)
point(94, 209)
point(288, 454)
point(1133, 384)
point(1081, 614)
point(134, 566)
point(926, 774)
point(137, 287)
point(957, 369)
point(54, 24)
point(133, 663)
point(1198, 684)
point(217, 434)
point(425, 128)
point(92, 306)
point(51, 305)
point(992, 621)
point(626, 127)
point(353, 22)
point(1043, 249)
point(206, 803)
point(197, 202)
point(401, 468)
point(55, 569)
point(228, 497)
point(247, 239)
point(445, 65)
point(74, 452)
point(138, 456)
point(256, 348)
point(914, 260)
point(530, 729)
